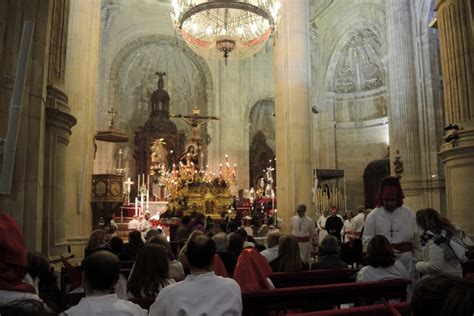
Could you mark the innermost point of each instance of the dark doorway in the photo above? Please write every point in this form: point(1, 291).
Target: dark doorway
point(373, 175)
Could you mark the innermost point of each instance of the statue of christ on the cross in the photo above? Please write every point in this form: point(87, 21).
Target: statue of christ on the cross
point(195, 121)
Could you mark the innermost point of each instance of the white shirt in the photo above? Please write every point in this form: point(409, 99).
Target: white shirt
point(199, 294)
point(134, 225)
point(398, 226)
point(348, 231)
point(9, 296)
point(270, 253)
point(358, 223)
point(396, 271)
point(302, 226)
point(105, 305)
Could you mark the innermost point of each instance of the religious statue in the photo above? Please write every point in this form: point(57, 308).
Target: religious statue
point(159, 156)
point(160, 100)
point(190, 155)
point(195, 121)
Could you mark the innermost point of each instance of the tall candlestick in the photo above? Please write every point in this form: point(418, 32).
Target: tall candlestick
point(147, 200)
point(136, 206)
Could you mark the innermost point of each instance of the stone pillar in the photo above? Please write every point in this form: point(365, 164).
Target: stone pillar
point(293, 110)
point(59, 122)
point(403, 110)
point(456, 29)
point(81, 70)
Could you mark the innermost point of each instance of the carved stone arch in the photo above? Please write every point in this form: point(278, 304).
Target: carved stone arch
point(133, 45)
point(375, 41)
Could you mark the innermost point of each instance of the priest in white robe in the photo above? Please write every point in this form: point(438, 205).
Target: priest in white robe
point(393, 220)
point(302, 227)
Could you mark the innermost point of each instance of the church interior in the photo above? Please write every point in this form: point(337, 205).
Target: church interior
point(111, 109)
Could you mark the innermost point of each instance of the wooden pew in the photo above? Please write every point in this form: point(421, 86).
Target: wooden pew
point(371, 310)
point(313, 277)
point(320, 297)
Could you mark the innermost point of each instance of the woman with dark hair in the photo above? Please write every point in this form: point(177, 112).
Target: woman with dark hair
point(382, 262)
point(289, 258)
point(97, 240)
point(175, 271)
point(150, 272)
point(443, 295)
point(443, 249)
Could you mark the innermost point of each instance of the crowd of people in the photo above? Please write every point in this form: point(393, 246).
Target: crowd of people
point(213, 263)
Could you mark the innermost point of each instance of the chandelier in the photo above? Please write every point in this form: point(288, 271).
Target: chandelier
point(233, 29)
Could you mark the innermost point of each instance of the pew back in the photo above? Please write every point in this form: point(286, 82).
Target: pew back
point(320, 297)
point(313, 277)
point(371, 310)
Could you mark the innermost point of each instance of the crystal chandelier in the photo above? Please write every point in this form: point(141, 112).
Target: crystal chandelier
point(233, 29)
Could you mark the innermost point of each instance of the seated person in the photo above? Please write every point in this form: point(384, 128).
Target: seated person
point(328, 257)
point(382, 262)
point(443, 294)
point(97, 240)
point(252, 271)
point(272, 241)
point(176, 271)
point(289, 257)
point(438, 236)
point(25, 307)
point(150, 272)
point(202, 292)
point(13, 263)
point(135, 243)
point(101, 273)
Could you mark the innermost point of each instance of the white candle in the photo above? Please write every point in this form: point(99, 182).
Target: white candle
point(141, 202)
point(136, 206)
point(147, 200)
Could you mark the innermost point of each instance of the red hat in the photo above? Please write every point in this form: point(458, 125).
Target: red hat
point(13, 262)
point(252, 271)
point(390, 188)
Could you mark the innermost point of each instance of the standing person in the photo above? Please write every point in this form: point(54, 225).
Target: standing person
point(101, 273)
point(202, 292)
point(392, 219)
point(334, 224)
point(302, 227)
point(322, 226)
point(440, 241)
point(358, 222)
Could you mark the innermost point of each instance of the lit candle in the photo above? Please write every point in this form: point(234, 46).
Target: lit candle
point(147, 199)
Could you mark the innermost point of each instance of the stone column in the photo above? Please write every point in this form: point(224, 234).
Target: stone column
point(293, 110)
point(403, 110)
point(82, 66)
point(456, 29)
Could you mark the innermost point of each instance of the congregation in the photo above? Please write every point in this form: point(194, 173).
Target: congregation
point(211, 270)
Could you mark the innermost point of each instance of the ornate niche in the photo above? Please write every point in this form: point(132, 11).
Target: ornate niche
point(260, 156)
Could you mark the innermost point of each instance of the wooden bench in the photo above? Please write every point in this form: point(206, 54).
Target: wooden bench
point(320, 297)
point(313, 277)
point(371, 310)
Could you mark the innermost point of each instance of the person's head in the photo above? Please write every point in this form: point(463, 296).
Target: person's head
point(379, 252)
point(443, 295)
point(150, 271)
point(333, 211)
point(147, 215)
point(116, 245)
point(200, 251)
point(101, 271)
point(236, 243)
point(360, 209)
point(191, 149)
point(390, 194)
point(135, 238)
point(326, 213)
point(273, 239)
point(151, 234)
point(301, 210)
point(348, 214)
point(97, 239)
point(38, 266)
point(329, 246)
point(222, 242)
point(232, 227)
point(161, 241)
point(289, 258)
point(429, 219)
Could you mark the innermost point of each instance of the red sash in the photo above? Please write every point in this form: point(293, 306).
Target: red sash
point(402, 247)
point(303, 239)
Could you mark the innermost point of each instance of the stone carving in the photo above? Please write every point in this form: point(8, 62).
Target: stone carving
point(160, 100)
point(359, 67)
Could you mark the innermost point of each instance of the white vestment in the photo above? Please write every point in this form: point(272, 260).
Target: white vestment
point(303, 227)
point(270, 253)
point(200, 294)
point(396, 271)
point(134, 225)
point(348, 231)
point(398, 227)
point(358, 223)
point(321, 227)
point(105, 305)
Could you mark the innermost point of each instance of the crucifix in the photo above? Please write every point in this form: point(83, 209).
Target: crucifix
point(128, 183)
point(195, 121)
point(392, 230)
